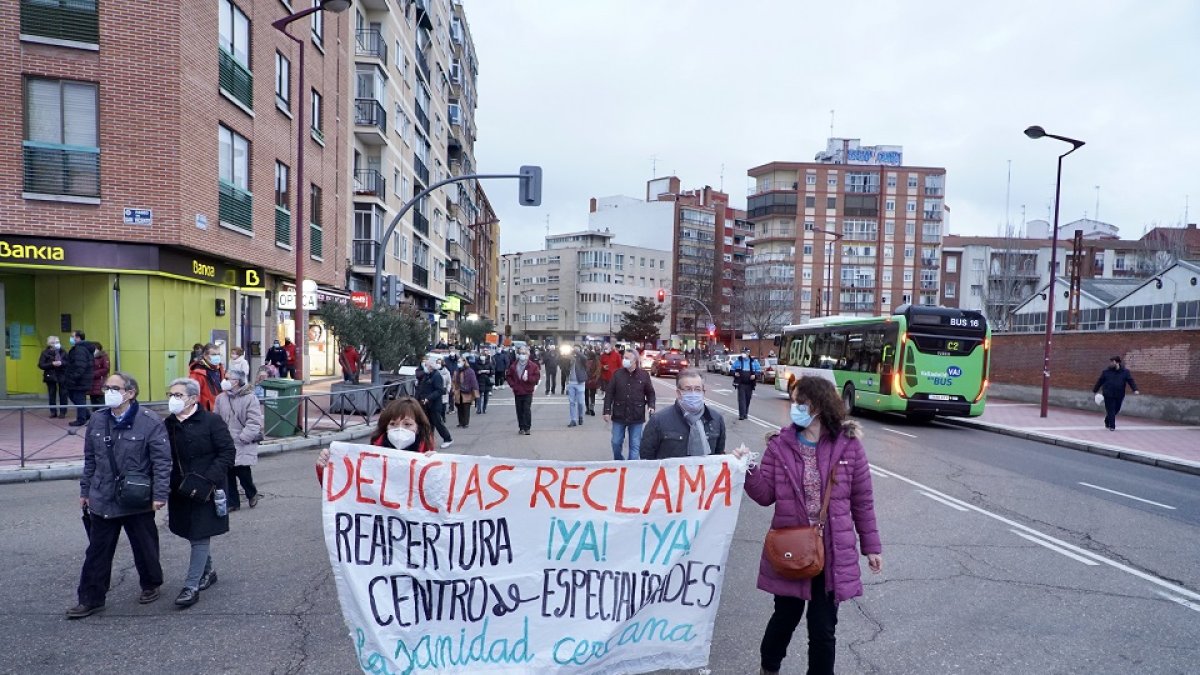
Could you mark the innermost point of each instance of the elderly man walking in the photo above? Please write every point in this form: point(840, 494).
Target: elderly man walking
point(630, 394)
point(126, 478)
point(687, 429)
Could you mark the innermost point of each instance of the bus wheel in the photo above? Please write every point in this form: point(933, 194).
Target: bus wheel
point(848, 397)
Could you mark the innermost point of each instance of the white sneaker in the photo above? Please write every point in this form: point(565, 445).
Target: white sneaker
point(447, 444)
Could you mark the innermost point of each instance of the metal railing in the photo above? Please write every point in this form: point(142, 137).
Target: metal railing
point(369, 183)
point(29, 434)
point(369, 42)
point(772, 185)
point(370, 113)
point(363, 252)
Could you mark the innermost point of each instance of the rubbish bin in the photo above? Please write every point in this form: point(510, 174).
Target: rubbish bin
point(281, 416)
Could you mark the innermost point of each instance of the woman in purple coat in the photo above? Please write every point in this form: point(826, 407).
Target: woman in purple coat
point(792, 474)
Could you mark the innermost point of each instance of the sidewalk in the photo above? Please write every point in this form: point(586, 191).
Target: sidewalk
point(1137, 439)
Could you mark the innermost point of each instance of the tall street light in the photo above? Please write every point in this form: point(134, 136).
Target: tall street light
point(301, 332)
point(832, 246)
point(1036, 132)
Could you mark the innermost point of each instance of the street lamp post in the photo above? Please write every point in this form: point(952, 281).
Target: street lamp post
point(829, 265)
point(1036, 132)
point(301, 329)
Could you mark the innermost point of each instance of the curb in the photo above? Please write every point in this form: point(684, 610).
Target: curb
point(1152, 459)
point(73, 470)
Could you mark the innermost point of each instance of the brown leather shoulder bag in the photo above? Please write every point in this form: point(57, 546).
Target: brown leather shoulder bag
point(799, 552)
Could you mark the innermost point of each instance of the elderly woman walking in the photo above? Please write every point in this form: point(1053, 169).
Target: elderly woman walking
point(242, 413)
point(202, 452)
point(814, 471)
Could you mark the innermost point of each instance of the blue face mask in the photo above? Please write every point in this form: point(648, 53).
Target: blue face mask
point(692, 402)
point(800, 415)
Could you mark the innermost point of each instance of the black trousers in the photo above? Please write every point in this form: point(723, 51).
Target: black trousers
point(551, 380)
point(79, 399)
point(562, 379)
point(1112, 407)
point(745, 393)
point(524, 411)
point(246, 477)
point(437, 417)
point(58, 391)
point(464, 413)
point(822, 624)
point(589, 399)
point(102, 546)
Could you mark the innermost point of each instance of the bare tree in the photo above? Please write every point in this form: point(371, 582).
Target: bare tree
point(765, 306)
point(1011, 277)
point(1160, 248)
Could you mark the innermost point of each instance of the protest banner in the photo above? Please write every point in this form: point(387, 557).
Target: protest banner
point(456, 564)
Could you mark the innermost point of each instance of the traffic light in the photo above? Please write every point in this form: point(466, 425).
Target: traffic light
point(712, 331)
point(531, 186)
point(391, 290)
point(662, 295)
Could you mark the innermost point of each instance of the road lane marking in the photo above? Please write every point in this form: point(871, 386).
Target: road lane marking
point(1180, 601)
point(898, 432)
point(877, 473)
point(722, 391)
point(1056, 549)
point(941, 501)
point(1162, 583)
point(1128, 496)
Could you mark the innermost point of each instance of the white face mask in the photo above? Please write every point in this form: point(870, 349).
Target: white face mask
point(401, 438)
point(628, 364)
point(226, 385)
point(113, 399)
point(176, 405)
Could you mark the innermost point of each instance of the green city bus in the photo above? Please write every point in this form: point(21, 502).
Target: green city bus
point(921, 360)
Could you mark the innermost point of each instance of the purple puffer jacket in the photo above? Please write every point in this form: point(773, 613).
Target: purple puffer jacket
point(851, 507)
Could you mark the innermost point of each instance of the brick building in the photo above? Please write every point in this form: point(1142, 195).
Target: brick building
point(147, 191)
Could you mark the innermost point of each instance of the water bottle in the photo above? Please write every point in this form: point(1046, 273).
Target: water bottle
point(219, 501)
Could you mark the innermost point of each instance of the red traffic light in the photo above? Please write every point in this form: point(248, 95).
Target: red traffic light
point(712, 332)
point(662, 295)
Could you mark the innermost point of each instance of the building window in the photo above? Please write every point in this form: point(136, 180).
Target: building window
point(832, 182)
point(70, 20)
point(909, 252)
point(831, 203)
point(889, 205)
point(233, 54)
point(316, 234)
point(283, 82)
point(806, 275)
point(61, 145)
point(283, 214)
point(233, 167)
point(318, 24)
point(318, 123)
point(404, 248)
point(910, 230)
point(912, 206)
point(810, 202)
point(1187, 314)
point(808, 249)
point(891, 180)
point(889, 227)
point(951, 288)
point(887, 276)
point(912, 181)
point(951, 265)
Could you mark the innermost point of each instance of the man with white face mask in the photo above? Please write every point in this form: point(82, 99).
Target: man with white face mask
point(687, 429)
point(124, 439)
point(630, 395)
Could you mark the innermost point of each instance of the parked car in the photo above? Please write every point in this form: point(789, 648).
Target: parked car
point(714, 362)
point(726, 365)
point(669, 364)
point(649, 357)
point(767, 375)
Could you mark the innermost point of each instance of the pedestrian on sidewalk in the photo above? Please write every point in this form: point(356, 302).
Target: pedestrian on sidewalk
point(610, 363)
point(197, 354)
point(594, 381)
point(242, 413)
point(523, 377)
point(550, 356)
point(289, 348)
point(687, 429)
point(208, 374)
point(129, 439)
point(483, 374)
point(80, 364)
point(447, 382)
point(202, 451)
point(431, 392)
point(100, 371)
point(1112, 383)
point(276, 358)
point(745, 371)
point(465, 389)
point(795, 476)
point(630, 395)
point(348, 359)
point(53, 363)
point(500, 362)
point(238, 363)
point(576, 371)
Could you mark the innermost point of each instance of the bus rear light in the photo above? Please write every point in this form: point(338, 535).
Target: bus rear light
point(982, 391)
point(897, 386)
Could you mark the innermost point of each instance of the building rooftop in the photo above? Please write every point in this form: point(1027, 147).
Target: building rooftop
point(1105, 290)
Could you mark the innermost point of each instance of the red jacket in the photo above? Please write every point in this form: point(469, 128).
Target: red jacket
point(208, 394)
point(523, 387)
point(610, 363)
point(290, 349)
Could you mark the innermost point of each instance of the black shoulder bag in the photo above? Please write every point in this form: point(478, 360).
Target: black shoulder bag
point(191, 485)
point(134, 488)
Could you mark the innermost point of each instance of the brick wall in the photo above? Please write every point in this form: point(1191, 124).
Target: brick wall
point(1164, 362)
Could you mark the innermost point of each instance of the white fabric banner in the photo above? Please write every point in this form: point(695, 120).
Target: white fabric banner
point(457, 564)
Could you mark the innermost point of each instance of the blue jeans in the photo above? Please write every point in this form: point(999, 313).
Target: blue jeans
point(635, 439)
point(575, 400)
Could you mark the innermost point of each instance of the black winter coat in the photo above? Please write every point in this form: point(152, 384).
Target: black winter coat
point(628, 396)
point(1112, 383)
point(51, 372)
point(483, 373)
point(666, 434)
point(431, 388)
point(79, 365)
point(201, 444)
point(140, 446)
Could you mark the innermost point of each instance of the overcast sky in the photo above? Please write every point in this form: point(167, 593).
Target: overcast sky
point(593, 89)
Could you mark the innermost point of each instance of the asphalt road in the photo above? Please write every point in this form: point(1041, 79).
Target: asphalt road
point(1000, 556)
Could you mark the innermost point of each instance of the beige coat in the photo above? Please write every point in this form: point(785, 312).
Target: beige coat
point(243, 415)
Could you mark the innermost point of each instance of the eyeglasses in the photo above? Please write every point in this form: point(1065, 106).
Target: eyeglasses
point(176, 395)
point(692, 390)
point(110, 388)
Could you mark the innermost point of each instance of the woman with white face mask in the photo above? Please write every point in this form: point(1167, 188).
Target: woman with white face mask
point(402, 425)
point(242, 413)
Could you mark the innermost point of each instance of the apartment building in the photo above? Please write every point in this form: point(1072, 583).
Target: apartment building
point(147, 194)
point(413, 114)
point(853, 232)
point(578, 287)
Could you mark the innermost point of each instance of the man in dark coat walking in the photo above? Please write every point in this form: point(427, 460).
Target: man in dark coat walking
point(745, 371)
point(550, 369)
point(687, 429)
point(80, 362)
point(1112, 383)
point(53, 363)
point(630, 395)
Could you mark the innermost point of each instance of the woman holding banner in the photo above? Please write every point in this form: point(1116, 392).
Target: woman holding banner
point(402, 426)
point(813, 468)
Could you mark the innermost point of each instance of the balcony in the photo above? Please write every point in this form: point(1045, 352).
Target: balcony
point(420, 223)
point(868, 189)
point(930, 263)
point(420, 276)
point(767, 258)
point(775, 234)
point(369, 43)
point(283, 226)
point(235, 79)
point(773, 186)
point(380, 5)
point(456, 251)
point(52, 169)
point(934, 192)
point(861, 283)
point(363, 253)
point(933, 215)
point(857, 307)
point(73, 24)
point(861, 236)
point(459, 288)
point(783, 204)
point(422, 65)
point(929, 285)
point(421, 171)
point(859, 260)
point(370, 183)
point(422, 118)
point(370, 121)
point(234, 207)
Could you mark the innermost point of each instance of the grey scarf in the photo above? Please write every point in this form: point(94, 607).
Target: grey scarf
point(697, 440)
